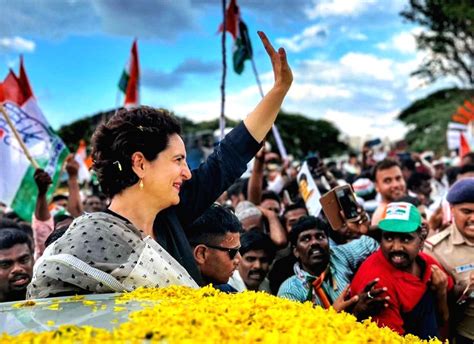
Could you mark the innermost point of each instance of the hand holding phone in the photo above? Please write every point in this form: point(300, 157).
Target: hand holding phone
point(337, 200)
point(348, 203)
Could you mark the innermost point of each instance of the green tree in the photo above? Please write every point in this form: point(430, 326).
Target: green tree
point(448, 38)
point(428, 119)
point(302, 135)
point(82, 129)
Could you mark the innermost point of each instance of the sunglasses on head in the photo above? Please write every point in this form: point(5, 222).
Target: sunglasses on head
point(231, 251)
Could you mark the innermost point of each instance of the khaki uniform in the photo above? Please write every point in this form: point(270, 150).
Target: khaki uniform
point(456, 255)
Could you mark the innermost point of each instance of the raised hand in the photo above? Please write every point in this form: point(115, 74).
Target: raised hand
point(281, 70)
point(260, 120)
point(42, 180)
point(359, 227)
point(438, 280)
point(72, 166)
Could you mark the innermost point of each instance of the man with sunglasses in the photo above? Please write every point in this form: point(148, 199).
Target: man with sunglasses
point(215, 239)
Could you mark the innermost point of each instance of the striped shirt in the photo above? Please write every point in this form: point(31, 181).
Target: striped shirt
point(344, 261)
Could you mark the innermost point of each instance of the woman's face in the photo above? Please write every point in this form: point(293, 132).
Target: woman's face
point(165, 175)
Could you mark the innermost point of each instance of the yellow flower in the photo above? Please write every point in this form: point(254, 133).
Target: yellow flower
point(185, 315)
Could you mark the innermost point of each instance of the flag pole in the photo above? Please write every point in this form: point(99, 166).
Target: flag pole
point(276, 133)
point(18, 137)
point(224, 71)
point(117, 102)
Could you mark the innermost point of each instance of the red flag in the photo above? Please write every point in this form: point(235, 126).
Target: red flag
point(232, 18)
point(2, 94)
point(464, 147)
point(131, 96)
point(24, 82)
point(12, 90)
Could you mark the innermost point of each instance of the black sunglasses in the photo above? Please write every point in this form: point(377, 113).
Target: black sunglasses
point(231, 251)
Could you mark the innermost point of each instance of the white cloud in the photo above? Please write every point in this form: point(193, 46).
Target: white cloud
point(325, 8)
point(403, 42)
point(310, 37)
point(368, 65)
point(367, 125)
point(352, 67)
point(17, 44)
point(237, 106)
point(352, 33)
point(304, 91)
point(357, 36)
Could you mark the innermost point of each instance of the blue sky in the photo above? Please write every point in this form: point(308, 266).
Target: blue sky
point(351, 59)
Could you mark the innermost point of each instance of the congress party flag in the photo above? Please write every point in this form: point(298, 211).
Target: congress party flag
point(238, 29)
point(17, 186)
point(129, 81)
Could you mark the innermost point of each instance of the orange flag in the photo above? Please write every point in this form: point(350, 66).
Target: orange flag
point(464, 147)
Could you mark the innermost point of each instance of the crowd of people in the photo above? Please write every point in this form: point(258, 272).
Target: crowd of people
point(408, 262)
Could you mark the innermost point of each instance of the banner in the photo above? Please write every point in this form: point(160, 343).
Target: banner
point(308, 190)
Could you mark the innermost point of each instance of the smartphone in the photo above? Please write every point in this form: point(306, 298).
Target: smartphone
point(348, 203)
point(337, 199)
point(331, 209)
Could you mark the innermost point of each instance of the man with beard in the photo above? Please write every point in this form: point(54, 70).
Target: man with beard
point(16, 261)
point(390, 185)
point(415, 282)
point(454, 249)
point(257, 252)
point(323, 273)
point(215, 239)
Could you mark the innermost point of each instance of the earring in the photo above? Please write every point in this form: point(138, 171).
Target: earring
point(141, 184)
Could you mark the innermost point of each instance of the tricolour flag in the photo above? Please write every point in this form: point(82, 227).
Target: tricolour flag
point(17, 186)
point(129, 80)
point(242, 47)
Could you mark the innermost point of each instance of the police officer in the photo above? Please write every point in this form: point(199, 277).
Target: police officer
point(454, 249)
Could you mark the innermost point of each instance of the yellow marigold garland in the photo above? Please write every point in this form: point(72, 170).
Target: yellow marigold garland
point(184, 315)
